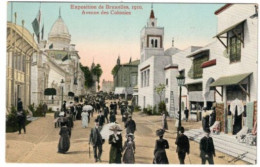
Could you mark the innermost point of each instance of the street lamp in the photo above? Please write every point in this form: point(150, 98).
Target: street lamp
point(62, 85)
point(180, 81)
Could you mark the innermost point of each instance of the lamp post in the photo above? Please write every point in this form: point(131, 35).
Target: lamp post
point(62, 85)
point(180, 81)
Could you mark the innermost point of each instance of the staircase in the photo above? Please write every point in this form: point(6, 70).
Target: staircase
point(227, 144)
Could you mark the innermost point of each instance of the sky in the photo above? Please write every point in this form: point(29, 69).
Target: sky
point(103, 38)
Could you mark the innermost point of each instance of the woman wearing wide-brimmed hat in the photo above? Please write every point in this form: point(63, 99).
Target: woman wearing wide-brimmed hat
point(129, 148)
point(161, 144)
point(116, 145)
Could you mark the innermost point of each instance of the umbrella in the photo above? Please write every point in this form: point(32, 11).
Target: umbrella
point(87, 107)
point(106, 132)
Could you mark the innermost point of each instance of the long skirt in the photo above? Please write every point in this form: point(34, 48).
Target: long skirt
point(129, 157)
point(160, 157)
point(114, 156)
point(64, 144)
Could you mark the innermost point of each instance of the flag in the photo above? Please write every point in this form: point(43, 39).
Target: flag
point(35, 25)
point(51, 46)
point(42, 31)
point(65, 58)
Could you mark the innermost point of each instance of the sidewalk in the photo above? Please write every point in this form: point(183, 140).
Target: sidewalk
point(227, 144)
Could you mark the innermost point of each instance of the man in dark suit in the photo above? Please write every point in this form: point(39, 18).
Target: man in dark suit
point(21, 116)
point(207, 149)
point(130, 125)
point(96, 140)
point(183, 145)
point(101, 119)
point(106, 112)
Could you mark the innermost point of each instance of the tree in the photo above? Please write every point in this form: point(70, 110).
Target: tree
point(114, 70)
point(159, 90)
point(97, 71)
point(88, 76)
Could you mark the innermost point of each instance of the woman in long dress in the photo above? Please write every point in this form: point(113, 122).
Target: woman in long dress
point(115, 140)
point(161, 144)
point(129, 148)
point(84, 116)
point(64, 142)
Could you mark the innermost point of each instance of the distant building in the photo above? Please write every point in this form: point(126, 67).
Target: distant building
point(125, 76)
point(107, 86)
point(57, 61)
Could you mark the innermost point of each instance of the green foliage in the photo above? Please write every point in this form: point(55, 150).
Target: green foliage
point(162, 107)
point(159, 89)
point(151, 110)
point(97, 71)
point(89, 81)
point(50, 110)
point(36, 111)
point(11, 120)
point(137, 108)
point(50, 92)
point(114, 70)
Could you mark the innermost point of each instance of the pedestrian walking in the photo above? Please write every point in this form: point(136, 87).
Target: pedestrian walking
point(164, 121)
point(130, 125)
point(207, 150)
point(205, 119)
point(45, 109)
point(129, 148)
point(186, 112)
point(115, 140)
point(161, 144)
point(64, 142)
point(115, 108)
point(56, 118)
point(95, 139)
point(112, 117)
point(101, 119)
point(106, 112)
point(64, 106)
point(183, 145)
point(84, 116)
point(21, 116)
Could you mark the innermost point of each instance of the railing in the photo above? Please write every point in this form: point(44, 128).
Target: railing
point(56, 102)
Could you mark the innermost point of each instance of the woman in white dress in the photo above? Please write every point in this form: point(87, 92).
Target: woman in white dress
point(84, 117)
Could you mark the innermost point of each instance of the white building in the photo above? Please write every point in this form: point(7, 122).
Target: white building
point(57, 60)
point(107, 86)
point(153, 60)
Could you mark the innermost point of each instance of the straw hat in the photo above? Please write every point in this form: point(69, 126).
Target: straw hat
point(130, 135)
point(115, 128)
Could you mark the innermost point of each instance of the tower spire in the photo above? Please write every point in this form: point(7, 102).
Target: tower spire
point(172, 42)
point(59, 13)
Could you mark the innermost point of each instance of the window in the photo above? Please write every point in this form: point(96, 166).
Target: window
point(235, 36)
point(155, 45)
point(197, 64)
point(167, 82)
point(152, 43)
point(148, 77)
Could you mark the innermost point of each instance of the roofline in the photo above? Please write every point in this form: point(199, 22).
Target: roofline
point(222, 8)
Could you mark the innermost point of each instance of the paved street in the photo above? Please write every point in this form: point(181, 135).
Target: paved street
point(39, 145)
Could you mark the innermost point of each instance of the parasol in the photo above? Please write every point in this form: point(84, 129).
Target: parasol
point(87, 107)
point(106, 132)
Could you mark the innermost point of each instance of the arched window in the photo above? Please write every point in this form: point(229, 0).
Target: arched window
point(152, 43)
point(155, 43)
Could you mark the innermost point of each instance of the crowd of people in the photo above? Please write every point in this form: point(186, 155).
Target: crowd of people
point(64, 119)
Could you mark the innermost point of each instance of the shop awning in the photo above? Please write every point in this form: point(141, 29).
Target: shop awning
point(229, 28)
point(120, 90)
point(230, 80)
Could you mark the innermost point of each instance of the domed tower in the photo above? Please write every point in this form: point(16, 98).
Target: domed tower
point(59, 35)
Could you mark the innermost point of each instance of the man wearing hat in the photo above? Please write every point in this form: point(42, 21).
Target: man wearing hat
point(183, 145)
point(96, 140)
point(130, 125)
point(207, 149)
